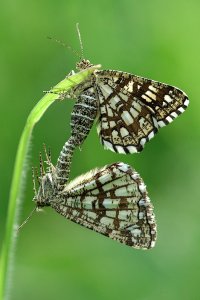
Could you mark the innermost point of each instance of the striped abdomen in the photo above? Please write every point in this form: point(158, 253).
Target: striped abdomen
point(82, 118)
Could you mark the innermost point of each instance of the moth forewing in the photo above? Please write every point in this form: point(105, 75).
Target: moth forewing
point(133, 108)
point(112, 201)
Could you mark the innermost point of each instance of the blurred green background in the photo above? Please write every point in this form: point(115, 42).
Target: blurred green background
point(55, 258)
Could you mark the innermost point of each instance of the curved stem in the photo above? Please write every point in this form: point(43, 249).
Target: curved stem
point(20, 172)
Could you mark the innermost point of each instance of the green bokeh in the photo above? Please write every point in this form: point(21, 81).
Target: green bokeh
point(56, 259)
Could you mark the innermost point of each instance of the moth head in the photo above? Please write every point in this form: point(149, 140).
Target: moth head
point(42, 196)
point(83, 64)
point(45, 191)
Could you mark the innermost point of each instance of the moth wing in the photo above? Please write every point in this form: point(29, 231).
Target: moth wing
point(112, 201)
point(133, 108)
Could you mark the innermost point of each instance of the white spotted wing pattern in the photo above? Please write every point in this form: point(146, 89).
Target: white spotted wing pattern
point(112, 201)
point(133, 108)
point(130, 109)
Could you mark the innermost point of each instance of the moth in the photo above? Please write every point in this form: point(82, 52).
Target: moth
point(129, 109)
point(112, 200)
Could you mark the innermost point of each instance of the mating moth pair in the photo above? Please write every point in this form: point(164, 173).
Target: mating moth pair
point(112, 200)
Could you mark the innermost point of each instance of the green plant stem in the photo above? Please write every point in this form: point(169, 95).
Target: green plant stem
point(20, 171)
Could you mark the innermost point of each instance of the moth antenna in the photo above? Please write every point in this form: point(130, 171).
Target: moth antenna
point(26, 220)
point(64, 45)
point(48, 157)
point(34, 183)
point(80, 40)
point(42, 170)
point(37, 176)
point(49, 154)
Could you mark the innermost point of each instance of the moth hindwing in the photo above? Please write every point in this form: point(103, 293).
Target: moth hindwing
point(112, 201)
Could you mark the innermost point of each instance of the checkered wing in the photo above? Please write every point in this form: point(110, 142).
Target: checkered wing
point(133, 108)
point(112, 201)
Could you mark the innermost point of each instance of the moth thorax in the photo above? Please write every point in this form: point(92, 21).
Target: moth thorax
point(83, 64)
point(46, 191)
